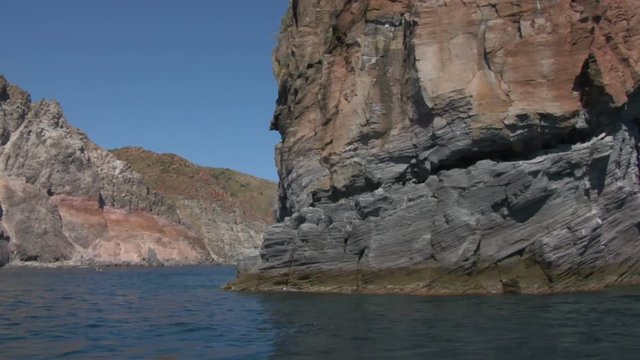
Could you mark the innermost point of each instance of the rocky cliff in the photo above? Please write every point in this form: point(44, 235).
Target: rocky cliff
point(63, 199)
point(437, 146)
point(228, 209)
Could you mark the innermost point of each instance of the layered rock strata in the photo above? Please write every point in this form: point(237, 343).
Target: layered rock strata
point(228, 209)
point(438, 146)
point(65, 200)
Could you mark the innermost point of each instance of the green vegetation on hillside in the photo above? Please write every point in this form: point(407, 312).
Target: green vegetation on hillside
point(178, 178)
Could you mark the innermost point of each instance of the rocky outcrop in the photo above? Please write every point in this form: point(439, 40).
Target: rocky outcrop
point(32, 225)
point(455, 146)
point(65, 200)
point(228, 209)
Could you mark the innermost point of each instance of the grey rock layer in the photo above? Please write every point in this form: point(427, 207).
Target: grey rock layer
point(396, 177)
point(228, 235)
point(38, 145)
point(64, 199)
point(36, 227)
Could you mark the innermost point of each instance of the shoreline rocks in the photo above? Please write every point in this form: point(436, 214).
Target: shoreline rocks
point(494, 145)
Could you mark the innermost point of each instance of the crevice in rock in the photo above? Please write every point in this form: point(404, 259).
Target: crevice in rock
point(538, 142)
point(350, 190)
point(524, 212)
point(334, 194)
point(4, 94)
point(500, 208)
point(417, 171)
point(386, 21)
point(338, 40)
point(598, 174)
point(346, 242)
point(527, 148)
point(507, 152)
point(593, 95)
point(482, 42)
point(632, 126)
point(321, 196)
point(518, 253)
point(30, 258)
point(295, 6)
point(519, 27)
point(361, 254)
point(282, 101)
point(101, 202)
point(5, 256)
point(412, 92)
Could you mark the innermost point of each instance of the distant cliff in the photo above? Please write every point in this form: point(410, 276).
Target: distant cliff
point(228, 209)
point(455, 146)
point(65, 200)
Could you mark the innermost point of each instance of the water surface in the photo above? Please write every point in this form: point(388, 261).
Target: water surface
point(180, 313)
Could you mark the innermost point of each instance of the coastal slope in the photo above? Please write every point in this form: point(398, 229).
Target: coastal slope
point(64, 200)
point(228, 209)
point(438, 147)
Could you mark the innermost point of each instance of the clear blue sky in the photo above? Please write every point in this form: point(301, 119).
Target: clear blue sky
point(191, 77)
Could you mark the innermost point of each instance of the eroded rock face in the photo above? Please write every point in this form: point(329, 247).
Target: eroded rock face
point(64, 199)
point(115, 236)
point(455, 146)
point(229, 234)
point(32, 224)
point(228, 209)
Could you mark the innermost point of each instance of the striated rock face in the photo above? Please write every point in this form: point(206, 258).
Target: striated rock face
point(441, 146)
point(228, 209)
point(64, 199)
point(32, 225)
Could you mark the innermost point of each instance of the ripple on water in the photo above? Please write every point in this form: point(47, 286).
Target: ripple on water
point(180, 313)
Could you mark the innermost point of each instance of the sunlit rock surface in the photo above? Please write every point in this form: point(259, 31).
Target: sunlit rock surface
point(228, 209)
point(455, 146)
point(64, 200)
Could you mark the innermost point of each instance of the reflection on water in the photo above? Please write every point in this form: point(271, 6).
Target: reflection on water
point(180, 313)
point(600, 326)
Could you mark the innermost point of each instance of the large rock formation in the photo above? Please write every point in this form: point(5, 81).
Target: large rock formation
point(64, 199)
point(228, 209)
point(441, 146)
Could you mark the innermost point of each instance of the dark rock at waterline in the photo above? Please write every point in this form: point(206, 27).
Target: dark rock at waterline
point(425, 155)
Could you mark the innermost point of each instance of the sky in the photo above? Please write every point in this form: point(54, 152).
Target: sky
point(189, 77)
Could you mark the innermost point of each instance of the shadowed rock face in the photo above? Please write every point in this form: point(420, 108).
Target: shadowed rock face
point(455, 146)
point(65, 199)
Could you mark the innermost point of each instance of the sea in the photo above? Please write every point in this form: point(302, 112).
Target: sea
point(182, 313)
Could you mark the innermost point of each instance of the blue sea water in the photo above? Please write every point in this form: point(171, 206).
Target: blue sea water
point(181, 313)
